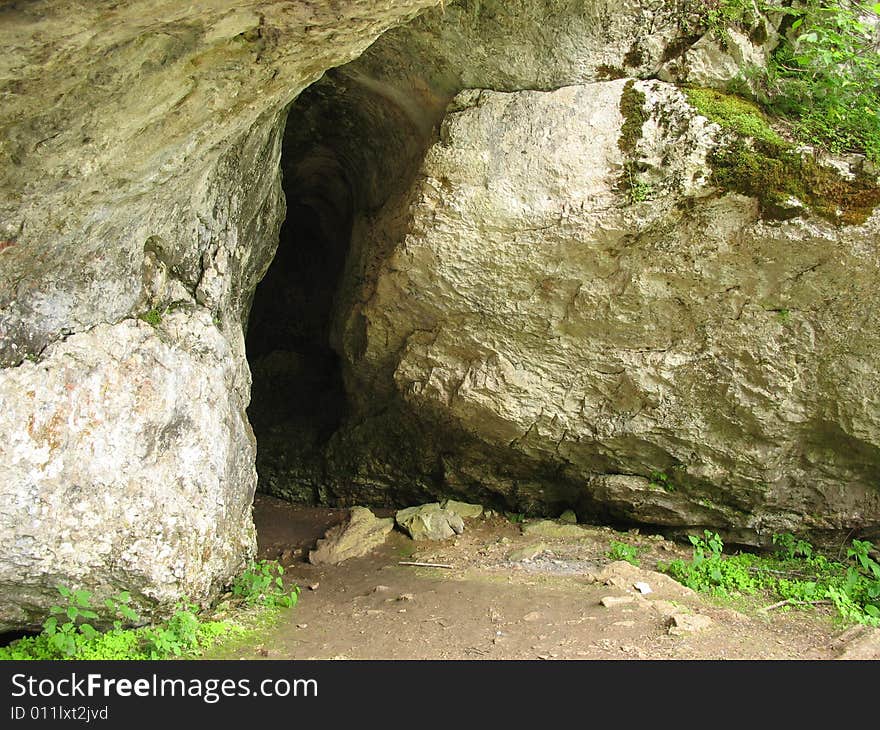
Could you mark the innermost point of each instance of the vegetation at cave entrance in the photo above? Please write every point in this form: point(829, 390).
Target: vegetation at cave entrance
point(796, 575)
point(69, 633)
point(824, 75)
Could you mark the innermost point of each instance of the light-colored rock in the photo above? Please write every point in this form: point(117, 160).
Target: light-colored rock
point(528, 552)
point(624, 575)
point(568, 517)
point(507, 322)
point(553, 529)
point(664, 609)
point(429, 522)
point(682, 624)
point(93, 497)
point(357, 536)
point(466, 510)
point(615, 601)
point(120, 122)
point(580, 342)
point(713, 62)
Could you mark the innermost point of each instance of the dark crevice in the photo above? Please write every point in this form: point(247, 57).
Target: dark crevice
point(350, 143)
point(298, 397)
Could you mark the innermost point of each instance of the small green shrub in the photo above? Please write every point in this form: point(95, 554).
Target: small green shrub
point(790, 547)
point(152, 317)
point(68, 634)
point(262, 584)
point(824, 75)
point(795, 574)
point(622, 551)
point(662, 480)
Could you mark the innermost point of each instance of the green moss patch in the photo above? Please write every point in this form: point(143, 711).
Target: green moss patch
point(756, 160)
point(632, 108)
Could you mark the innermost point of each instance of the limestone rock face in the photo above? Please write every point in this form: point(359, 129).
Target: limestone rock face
point(675, 360)
point(139, 170)
point(512, 327)
point(124, 462)
point(117, 119)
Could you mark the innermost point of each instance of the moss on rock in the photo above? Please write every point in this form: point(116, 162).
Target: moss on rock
point(756, 160)
point(632, 107)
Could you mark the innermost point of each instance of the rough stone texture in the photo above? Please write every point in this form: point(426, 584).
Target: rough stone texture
point(567, 343)
point(355, 139)
point(429, 522)
point(94, 497)
point(463, 509)
point(682, 624)
point(555, 351)
point(568, 517)
point(359, 535)
point(116, 119)
point(625, 576)
point(553, 529)
point(529, 552)
point(713, 62)
point(139, 168)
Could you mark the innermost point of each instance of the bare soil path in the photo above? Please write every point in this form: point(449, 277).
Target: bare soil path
point(488, 606)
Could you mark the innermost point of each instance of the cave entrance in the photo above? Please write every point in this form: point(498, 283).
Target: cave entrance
point(350, 143)
point(298, 397)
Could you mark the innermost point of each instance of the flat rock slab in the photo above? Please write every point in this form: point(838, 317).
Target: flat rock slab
point(621, 574)
point(529, 552)
point(429, 522)
point(553, 529)
point(681, 624)
point(362, 533)
point(466, 510)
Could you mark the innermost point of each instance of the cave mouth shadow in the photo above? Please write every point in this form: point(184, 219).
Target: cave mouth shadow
point(298, 396)
point(352, 143)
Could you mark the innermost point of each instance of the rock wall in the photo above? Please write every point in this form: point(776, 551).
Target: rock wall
point(675, 361)
point(139, 170)
point(512, 325)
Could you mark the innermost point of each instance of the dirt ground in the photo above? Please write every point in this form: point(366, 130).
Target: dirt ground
point(486, 606)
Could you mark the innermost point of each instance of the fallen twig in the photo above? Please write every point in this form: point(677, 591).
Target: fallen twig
point(425, 565)
point(793, 602)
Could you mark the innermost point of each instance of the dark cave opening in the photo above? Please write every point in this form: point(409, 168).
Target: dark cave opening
point(351, 142)
point(298, 397)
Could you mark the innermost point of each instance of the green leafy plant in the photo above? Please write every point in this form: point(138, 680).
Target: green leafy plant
point(622, 551)
point(178, 635)
point(67, 624)
point(515, 517)
point(262, 584)
point(790, 547)
point(826, 74)
point(68, 633)
point(662, 480)
point(796, 575)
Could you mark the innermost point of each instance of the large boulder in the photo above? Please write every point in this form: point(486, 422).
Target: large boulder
point(126, 462)
point(564, 289)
